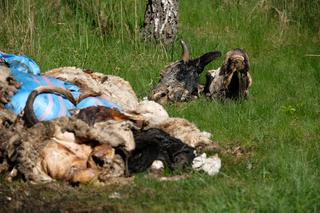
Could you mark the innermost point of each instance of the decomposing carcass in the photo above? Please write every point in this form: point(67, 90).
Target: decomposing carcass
point(81, 151)
point(66, 149)
point(179, 81)
point(95, 143)
point(117, 89)
point(232, 80)
point(156, 145)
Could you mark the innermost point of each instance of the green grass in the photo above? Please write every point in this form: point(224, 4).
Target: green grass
point(278, 125)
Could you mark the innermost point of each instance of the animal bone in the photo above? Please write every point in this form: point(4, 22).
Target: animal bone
point(29, 115)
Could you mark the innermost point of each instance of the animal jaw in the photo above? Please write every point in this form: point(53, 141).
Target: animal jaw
point(179, 80)
point(232, 80)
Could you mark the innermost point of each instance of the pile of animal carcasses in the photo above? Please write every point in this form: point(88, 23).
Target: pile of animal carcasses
point(97, 143)
point(179, 81)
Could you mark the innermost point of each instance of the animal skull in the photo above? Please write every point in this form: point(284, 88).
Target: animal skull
point(179, 80)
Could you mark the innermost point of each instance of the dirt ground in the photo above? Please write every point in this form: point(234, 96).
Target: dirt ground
point(59, 197)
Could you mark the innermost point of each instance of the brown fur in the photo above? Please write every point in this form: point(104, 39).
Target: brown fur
point(95, 114)
point(232, 79)
point(8, 85)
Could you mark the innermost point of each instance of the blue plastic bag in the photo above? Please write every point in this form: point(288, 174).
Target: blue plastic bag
point(46, 106)
point(21, 63)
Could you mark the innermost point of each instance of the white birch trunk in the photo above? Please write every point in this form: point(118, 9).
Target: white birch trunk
point(161, 20)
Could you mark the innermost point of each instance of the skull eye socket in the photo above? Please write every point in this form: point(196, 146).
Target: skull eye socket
point(163, 95)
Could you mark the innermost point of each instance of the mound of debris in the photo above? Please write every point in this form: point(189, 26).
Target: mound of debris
point(96, 143)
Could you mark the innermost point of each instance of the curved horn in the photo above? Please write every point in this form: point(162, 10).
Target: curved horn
point(87, 94)
point(185, 53)
point(29, 115)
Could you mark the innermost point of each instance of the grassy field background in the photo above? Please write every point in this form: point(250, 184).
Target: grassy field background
point(278, 127)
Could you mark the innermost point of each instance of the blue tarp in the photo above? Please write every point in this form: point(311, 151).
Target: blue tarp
point(46, 106)
point(21, 63)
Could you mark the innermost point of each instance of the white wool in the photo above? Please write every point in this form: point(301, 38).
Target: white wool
point(115, 133)
point(211, 165)
point(206, 134)
point(153, 112)
point(186, 131)
point(157, 165)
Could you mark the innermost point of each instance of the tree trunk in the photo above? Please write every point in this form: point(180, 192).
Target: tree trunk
point(161, 20)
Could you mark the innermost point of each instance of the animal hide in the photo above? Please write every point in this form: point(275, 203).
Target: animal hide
point(68, 149)
point(152, 112)
point(232, 79)
point(179, 81)
point(155, 144)
point(113, 88)
point(185, 131)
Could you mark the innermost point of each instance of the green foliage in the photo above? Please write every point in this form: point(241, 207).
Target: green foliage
point(278, 125)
